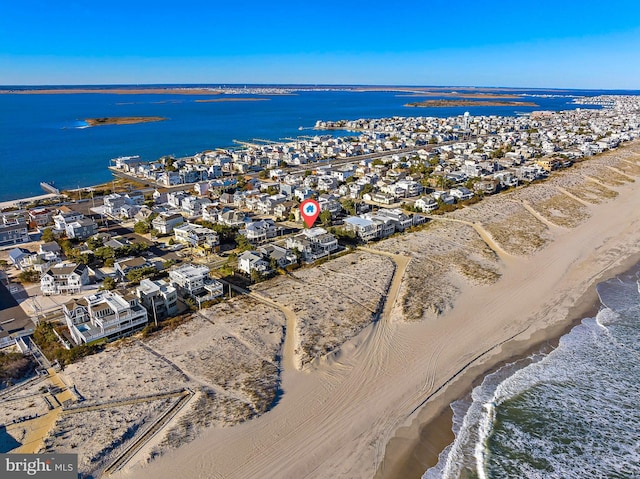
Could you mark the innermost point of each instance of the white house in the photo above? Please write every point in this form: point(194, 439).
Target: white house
point(365, 228)
point(260, 231)
point(61, 219)
point(410, 187)
point(64, 279)
point(166, 222)
point(106, 314)
point(426, 204)
point(194, 281)
point(252, 261)
point(159, 298)
point(196, 235)
point(461, 193)
point(313, 243)
point(444, 196)
point(113, 203)
point(399, 219)
point(192, 205)
point(81, 229)
point(283, 256)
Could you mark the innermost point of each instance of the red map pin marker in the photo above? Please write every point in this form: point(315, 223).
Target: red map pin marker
point(309, 209)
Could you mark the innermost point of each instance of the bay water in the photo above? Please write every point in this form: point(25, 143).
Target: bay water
point(43, 137)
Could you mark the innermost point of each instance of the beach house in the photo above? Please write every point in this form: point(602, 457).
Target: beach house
point(193, 281)
point(313, 244)
point(252, 261)
point(64, 279)
point(260, 231)
point(13, 232)
point(196, 235)
point(164, 223)
point(159, 298)
point(105, 314)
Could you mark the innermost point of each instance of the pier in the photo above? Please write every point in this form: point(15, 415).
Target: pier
point(49, 188)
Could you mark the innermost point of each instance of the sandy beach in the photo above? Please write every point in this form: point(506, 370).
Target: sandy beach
point(359, 410)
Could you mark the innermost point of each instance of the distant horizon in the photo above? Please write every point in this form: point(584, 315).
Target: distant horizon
point(310, 85)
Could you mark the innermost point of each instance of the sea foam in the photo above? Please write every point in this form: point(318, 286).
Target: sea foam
point(571, 413)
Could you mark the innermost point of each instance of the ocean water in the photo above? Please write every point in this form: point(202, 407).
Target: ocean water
point(572, 413)
point(44, 137)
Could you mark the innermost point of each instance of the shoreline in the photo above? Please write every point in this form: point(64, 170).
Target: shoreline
point(417, 447)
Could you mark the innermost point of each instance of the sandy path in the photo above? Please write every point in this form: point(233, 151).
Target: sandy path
point(290, 357)
point(336, 418)
point(539, 217)
point(484, 234)
point(573, 197)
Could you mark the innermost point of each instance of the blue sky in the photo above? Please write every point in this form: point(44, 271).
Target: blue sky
point(564, 44)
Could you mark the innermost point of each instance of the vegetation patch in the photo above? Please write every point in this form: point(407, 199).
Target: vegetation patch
point(13, 367)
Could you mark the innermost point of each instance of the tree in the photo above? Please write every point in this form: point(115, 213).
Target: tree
point(346, 236)
point(444, 182)
point(104, 253)
point(66, 246)
point(141, 227)
point(349, 206)
point(109, 283)
point(169, 163)
point(94, 243)
point(368, 188)
point(84, 258)
point(242, 243)
point(226, 233)
point(257, 276)
point(273, 264)
point(191, 303)
point(135, 275)
point(325, 217)
point(29, 276)
point(47, 235)
point(168, 264)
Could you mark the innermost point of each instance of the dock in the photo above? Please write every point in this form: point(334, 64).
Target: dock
point(246, 144)
point(49, 188)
